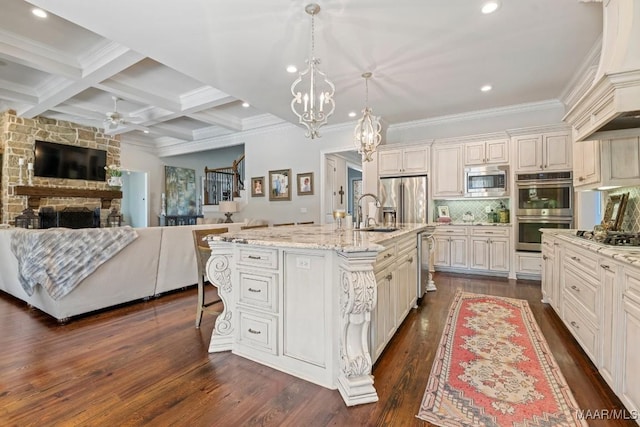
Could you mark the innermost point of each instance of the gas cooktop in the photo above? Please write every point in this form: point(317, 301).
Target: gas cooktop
point(613, 238)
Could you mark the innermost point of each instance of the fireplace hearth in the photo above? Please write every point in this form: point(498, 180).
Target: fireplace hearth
point(70, 217)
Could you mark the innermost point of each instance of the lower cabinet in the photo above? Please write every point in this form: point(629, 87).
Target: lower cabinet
point(598, 299)
point(396, 272)
point(481, 249)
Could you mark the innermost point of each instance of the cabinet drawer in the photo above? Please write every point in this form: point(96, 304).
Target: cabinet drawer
point(385, 257)
point(584, 292)
point(407, 245)
point(583, 261)
point(258, 257)
point(490, 231)
point(448, 230)
point(585, 333)
point(259, 290)
point(258, 331)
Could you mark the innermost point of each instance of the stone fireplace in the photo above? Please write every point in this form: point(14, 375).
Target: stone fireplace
point(17, 139)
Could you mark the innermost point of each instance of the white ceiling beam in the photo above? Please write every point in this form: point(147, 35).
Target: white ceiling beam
point(33, 55)
point(123, 61)
point(135, 94)
point(174, 132)
point(226, 121)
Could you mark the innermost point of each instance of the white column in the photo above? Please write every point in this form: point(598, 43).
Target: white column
point(357, 298)
point(218, 270)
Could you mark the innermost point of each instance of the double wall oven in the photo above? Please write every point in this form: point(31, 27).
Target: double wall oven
point(544, 200)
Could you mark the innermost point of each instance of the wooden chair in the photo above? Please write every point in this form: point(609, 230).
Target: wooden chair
point(283, 223)
point(246, 227)
point(203, 252)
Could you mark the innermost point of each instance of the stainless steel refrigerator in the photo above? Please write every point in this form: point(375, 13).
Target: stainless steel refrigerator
point(407, 196)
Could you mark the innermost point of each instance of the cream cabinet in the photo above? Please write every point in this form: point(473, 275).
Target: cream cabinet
point(550, 271)
point(600, 306)
point(629, 346)
point(396, 272)
point(543, 152)
point(586, 163)
point(407, 160)
point(528, 265)
point(607, 163)
point(489, 249)
point(451, 247)
point(448, 172)
point(486, 152)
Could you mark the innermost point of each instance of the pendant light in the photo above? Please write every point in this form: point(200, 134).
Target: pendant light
point(367, 133)
point(312, 92)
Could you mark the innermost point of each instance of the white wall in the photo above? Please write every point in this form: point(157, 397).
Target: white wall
point(286, 147)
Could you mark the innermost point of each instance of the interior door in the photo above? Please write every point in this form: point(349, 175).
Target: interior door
point(330, 191)
point(135, 206)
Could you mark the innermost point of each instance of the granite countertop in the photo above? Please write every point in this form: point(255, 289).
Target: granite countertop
point(318, 237)
point(625, 254)
point(474, 223)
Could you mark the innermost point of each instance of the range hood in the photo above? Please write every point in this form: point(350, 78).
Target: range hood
point(611, 107)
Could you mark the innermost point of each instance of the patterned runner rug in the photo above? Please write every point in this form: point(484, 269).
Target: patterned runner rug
point(493, 367)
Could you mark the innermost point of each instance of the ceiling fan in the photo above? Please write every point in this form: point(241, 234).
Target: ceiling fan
point(114, 118)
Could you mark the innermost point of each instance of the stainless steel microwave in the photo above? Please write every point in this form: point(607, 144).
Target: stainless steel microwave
point(486, 181)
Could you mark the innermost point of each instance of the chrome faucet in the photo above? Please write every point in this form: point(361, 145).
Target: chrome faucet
point(358, 215)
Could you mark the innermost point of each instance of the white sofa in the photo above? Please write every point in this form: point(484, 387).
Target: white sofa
point(161, 259)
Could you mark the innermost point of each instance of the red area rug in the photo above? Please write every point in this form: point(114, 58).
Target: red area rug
point(493, 367)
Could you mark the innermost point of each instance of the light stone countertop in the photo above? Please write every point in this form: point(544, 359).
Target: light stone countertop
point(625, 254)
point(319, 237)
point(473, 224)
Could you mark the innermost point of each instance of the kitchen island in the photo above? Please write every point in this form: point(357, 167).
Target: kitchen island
point(311, 300)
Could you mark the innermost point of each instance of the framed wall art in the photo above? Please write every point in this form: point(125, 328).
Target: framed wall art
point(305, 184)
point(257, 186)
point(279, 185)
point(614, 212)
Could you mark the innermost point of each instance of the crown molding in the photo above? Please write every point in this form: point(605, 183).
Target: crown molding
point(584, 77)
point(480, 114)
point(558, 127)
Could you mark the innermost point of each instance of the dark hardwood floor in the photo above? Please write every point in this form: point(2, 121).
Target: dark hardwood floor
point(146, 364)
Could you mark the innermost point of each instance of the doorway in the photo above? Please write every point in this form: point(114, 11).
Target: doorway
point(135, 205)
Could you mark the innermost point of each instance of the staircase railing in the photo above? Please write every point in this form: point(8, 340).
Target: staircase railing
point(221, 184)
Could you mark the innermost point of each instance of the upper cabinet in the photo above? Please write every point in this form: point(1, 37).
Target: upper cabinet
point(607, 163)
point(448, 177)
point(544, 152)
point(409, 160)
point(486, 152)
point(586, 163)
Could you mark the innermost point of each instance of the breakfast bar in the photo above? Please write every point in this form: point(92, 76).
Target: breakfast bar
point(315, 301)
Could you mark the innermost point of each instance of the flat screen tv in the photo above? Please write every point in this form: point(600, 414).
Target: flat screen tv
point(68, 161)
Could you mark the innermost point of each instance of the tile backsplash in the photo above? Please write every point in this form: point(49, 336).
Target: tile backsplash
point(631, 220)
point(457, 208)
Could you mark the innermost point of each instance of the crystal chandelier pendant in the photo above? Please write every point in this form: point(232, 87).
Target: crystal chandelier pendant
point(312, 92)
point(367, 135)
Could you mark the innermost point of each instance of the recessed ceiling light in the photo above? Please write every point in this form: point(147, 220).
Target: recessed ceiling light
point(490, 6)
point(352, 114)
point(486, 88)
point(146, 131)
point(292, 69)
point(39, 13)
point(245, 104)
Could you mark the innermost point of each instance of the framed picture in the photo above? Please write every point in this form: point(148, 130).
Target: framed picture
point(443, 211)
point(257, 186)
point(279, 184)
point(614, 212)
point(305, 184)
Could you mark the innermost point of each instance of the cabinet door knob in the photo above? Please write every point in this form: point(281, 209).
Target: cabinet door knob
point(544, 257)
point(541, 167)
point(389, 276)
point(575, 325)
point(582, 178)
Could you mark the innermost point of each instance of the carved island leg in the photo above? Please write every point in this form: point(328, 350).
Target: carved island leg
point(431, 286)
point(358, 297)
point(219, 274)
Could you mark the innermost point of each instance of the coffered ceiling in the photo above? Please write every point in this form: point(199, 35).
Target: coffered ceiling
point(182, 69)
